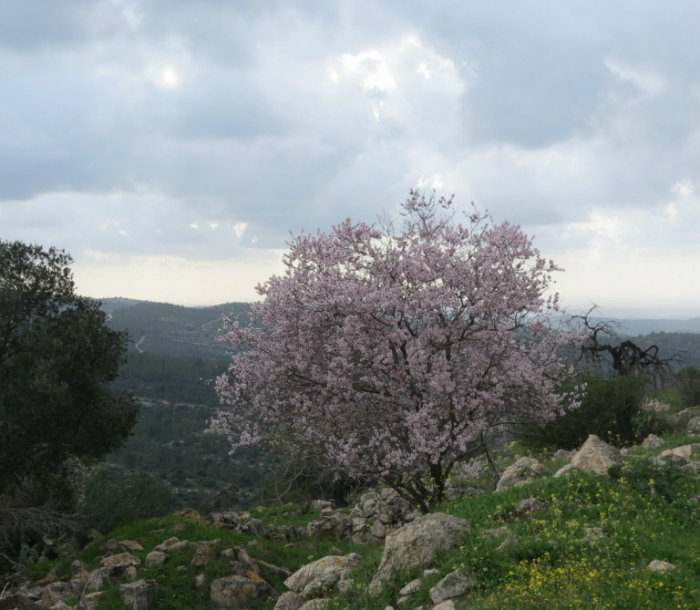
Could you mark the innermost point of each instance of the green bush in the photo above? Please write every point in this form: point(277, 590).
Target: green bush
point(610, 409)
point(689, 386)
point(112, 499)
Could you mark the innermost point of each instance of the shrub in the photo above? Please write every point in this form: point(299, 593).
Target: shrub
point(689, 386)
point(610, 409)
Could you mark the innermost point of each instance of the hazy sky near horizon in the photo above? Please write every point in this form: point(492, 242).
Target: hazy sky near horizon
point(172, 146)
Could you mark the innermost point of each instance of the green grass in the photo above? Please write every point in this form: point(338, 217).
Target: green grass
point(588, 548)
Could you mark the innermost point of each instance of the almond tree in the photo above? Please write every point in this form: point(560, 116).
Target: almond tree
point(394, 353)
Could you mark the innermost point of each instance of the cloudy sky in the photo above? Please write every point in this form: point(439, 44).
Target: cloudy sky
point(172, 146)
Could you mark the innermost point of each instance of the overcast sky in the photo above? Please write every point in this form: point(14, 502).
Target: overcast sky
point(171, 146)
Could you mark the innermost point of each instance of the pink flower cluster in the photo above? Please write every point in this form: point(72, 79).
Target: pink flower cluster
point(393, 352)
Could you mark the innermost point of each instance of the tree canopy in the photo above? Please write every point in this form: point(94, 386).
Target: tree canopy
point(393, 353)
point(56, 357)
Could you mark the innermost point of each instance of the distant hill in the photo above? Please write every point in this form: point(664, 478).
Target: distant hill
point(173, 330)
point(635, 327)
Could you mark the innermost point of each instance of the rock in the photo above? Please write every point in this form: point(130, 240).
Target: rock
point(411, 587)
point(55, 592)
point(322, 575)
point(345, 584)
point(677, 455)
point(652, 442)
point(694, 425)
point(155, 558)
point(378, 530)
point(596, 456)
point(321, 504)
point(455, 585)
point(660, 566)
point(506, 537)
point(448, 604)
point(255, 528)
point(692, 468)
point(225, 520)
point(315, 604)
point(199, 580)
point(289, 600)
point(414, 545)
point(529, 506)
point(562, 454)
point(333, 526)
point(172, 545)
point(89, 601)
point(138, 595)
point(120, 564)
point(190, 514)
point(236, 592)
point(204, 554)
point(564, 470)
point(520, 473)
point(98, 579)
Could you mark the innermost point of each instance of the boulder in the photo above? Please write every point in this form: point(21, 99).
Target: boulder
point(121, 564)
point(89, 601)
point(55, 592)
point(520, 473)
point(322, 575)
point(455, 585)
point(333, 526)
point(596, 456)
point(660, 566)
point(694, 425)
point(204, 554)
point(236, 592)
point(255, 528)
point(138, 595)
point(289, 600)
point(155, 558)
point(529, 506)
point(677, 455)
point(172, 545)
point(414, 545)
point(652, 442)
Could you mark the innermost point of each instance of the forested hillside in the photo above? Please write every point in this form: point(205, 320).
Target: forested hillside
point(173, 359)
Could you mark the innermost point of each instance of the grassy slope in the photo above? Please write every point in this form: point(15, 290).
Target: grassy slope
point(588, 548)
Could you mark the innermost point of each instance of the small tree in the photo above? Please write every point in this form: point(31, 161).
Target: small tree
point(395, 354)
point(56, 357)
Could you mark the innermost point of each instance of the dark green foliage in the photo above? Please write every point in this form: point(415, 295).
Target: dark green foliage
point(57, 356)
point(688, 380)
point(112, 499)
point(610, 409)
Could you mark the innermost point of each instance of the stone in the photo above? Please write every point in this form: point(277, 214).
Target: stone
point(694, 425)
point(565, 469)
point(190, 514)
point(415, 545)
point(255, 528)
point(597, 456)
point(155, 558)
point(652, 442)
point(322, 575)
point(89, 601)
point(235, 592)
point(120, 562)
point(315, 604)
point(345, 584)
point(204, 554)
point(378, 529)
point(660, 566)
point(289, 600)
point(172, 545)
point(455, 585)
point(225, 520)
point(199, 580)
point(529, 506)
point(677, 455)
point(130, 545)
point(411, 587)
point(333, 526)
point(55, 592)
point(138, 595)
point(506, 538)
point(448, 604)
point(520, 473)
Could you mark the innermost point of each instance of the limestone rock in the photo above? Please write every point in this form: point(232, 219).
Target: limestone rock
point(596, 456)
point(660, 566)
point(155, 558)
point(322, 575)
point(289, 600)
point(694, 425)
point(236, 592)
point(172, 545)
point(677, 455)
point(414, 545)
point(411, 587)
point(652, 442)
point(456, 584)
point(520, 473)
point(204, 554)
point(315, 604)
point(529, 506)
point(89, 601)
point(138, 595)
point(448, 604)
point(333, 526)
point(225, 520)
point(256, 528)
point(55, 592)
